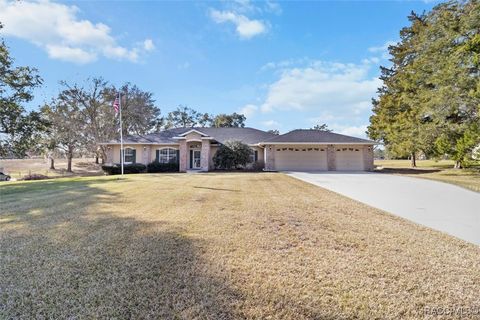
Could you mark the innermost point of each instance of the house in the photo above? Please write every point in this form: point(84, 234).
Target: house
point(297, 150)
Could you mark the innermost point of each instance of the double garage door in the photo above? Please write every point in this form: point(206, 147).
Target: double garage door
point(301, 158)
point(312, 158)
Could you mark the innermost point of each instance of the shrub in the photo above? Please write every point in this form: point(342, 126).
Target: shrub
point(232, 154)
point(162, 167)
point(35, 176)
point(127, 168)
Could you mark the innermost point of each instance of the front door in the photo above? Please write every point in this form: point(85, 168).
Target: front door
point(196, 159)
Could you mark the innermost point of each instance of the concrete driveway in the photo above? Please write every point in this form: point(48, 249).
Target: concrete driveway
point(437, 205)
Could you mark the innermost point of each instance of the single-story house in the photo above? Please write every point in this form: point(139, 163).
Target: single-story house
point(297, 150)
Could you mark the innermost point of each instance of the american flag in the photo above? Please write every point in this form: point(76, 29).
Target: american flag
point(116, 103)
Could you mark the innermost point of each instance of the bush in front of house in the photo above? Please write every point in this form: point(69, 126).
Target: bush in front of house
point(156, 166)
point(232, 155)
point(127, 168)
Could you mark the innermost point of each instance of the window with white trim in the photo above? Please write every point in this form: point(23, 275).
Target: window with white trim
point(167, 155)
point(129, 155)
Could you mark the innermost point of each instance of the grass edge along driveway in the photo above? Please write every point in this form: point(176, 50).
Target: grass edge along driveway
point(219, 246)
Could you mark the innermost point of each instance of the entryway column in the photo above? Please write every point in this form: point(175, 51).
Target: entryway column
point(331, 158)
point(368, 158)
point(183, 155)
point(205, 155)
point(269, 158)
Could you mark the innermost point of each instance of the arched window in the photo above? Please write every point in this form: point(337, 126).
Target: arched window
point(167, 155)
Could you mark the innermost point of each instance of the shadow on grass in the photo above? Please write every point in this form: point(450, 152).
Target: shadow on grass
point(50, 184)
point(407, 170)
point(67, 255)
point(217, 189)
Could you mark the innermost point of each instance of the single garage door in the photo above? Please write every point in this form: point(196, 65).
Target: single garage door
point(301, 158)
point(349, 159)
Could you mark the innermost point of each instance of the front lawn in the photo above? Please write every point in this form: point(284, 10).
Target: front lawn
point(435, 170)
point(219, 246)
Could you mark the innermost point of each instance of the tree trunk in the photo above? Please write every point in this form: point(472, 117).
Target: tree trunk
point(458, 165)
point(96, 159)
point(52, 163)
point(69, 162)
point(103, 154)
point(414, 160)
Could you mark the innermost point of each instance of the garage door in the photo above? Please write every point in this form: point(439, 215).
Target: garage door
point(301, 158)
point(349, 159)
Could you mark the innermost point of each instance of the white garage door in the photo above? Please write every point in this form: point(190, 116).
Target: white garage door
point(301, 158)
point(349, 159)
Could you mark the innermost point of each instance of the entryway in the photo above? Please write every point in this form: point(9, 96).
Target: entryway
point(195, 156)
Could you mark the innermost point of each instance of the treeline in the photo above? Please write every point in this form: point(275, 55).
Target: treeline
point(82, 116)
point(430, 99)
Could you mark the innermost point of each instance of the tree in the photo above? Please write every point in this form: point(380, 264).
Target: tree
point(182, 117)
point(430, 96)
point(95, 104)
point(67, 123)
point(229, 120)
point(274, 131)
point(19, 130)
point(204, 119)
point(139, 113)
point(322, 127)
point(232, 154)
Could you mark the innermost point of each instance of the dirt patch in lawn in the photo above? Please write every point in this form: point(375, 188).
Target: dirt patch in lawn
point(219, 246)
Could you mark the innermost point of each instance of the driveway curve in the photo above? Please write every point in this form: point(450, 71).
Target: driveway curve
point(437, 205)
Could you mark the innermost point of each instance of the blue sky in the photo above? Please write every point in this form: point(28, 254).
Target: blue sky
point(286, 65)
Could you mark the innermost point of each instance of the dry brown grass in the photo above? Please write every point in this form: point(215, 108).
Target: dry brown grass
point(434, 170)
point(219, 246)
point(18, 168)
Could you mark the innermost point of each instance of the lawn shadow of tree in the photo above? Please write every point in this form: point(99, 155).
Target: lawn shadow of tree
point(412, 171)
point(61, 261)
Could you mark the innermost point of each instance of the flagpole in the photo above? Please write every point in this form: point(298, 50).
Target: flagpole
point(122, 152)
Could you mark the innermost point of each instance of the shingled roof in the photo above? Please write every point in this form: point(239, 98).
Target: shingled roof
point(246, 135)
point(315, 136)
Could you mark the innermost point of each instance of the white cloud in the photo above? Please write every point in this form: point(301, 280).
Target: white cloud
point(70, 54)
point(248, 110)
point(148, 45)
point(284, 64)
point(372, 60)
point(245, 27)
point(57, 29)
point(337, 88)
point(383, 49)
point(273, 7)
point(356, 131)
point(270, 123)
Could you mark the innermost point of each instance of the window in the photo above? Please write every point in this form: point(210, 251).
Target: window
point(167, 155)
point(129, 155)
point(254, 156)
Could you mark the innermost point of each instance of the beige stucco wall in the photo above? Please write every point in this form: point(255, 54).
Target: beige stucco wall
point(193, 137)
point(137, 147)
point(144, 153)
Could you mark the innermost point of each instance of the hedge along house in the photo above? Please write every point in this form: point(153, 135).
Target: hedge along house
point(297, 150)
